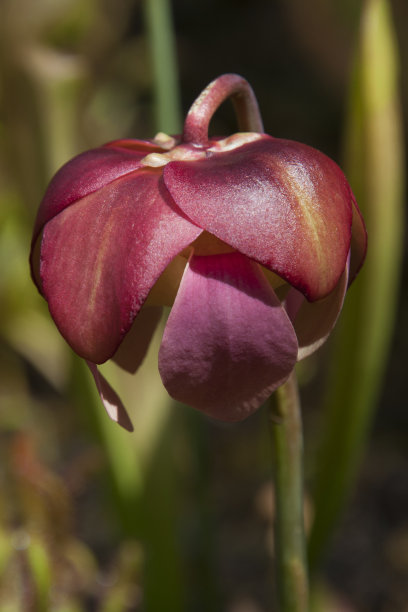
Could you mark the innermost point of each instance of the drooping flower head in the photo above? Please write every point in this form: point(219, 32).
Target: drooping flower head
point(252, 240)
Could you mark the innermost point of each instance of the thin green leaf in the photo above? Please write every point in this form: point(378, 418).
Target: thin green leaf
point(374, 165)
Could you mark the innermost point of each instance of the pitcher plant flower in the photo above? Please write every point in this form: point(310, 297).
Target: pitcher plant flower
point(252, 241)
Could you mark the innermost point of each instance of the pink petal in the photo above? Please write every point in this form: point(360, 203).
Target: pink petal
point(110, 399)
point(228, 343)
point(313, 321)
point(135, 344)
point(101, 256)
point(87, 173)
point(279, 202)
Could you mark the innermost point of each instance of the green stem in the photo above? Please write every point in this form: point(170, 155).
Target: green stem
point(290, 550)
point(160, 35)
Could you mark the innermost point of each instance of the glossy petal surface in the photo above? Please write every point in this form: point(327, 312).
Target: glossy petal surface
point(89, 172)
point(313, 321)
point(281, 203)
point(228, 342)
point(101, 256)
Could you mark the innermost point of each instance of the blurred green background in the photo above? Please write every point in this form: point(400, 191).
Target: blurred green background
point(178, 515)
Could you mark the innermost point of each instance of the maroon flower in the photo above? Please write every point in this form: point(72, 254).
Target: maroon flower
point(253, 240)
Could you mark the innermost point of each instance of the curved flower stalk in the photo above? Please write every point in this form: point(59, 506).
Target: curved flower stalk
point(251, 239)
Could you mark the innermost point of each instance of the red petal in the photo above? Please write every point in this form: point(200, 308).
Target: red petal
point(142, 146)
point(89, 172)
point(228, 343)
point(101, 256)
point(110, 399)
point(313, 321)
point(279, 202)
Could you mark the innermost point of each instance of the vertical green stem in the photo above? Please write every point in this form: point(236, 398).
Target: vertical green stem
point(286, 430)
point(164, 65)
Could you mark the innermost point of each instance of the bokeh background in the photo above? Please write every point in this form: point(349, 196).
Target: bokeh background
point(178, 515)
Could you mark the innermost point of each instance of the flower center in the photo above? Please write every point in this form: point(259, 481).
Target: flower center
point(191, 152)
